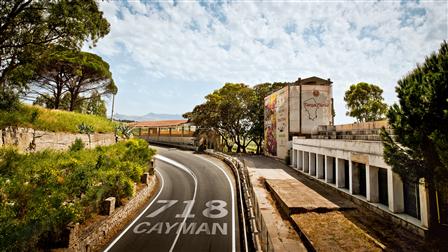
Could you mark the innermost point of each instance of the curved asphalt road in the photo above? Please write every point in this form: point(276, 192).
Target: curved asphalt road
point(194, 210)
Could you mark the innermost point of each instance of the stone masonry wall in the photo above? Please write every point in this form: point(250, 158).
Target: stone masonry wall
point(23, 137)
point(94, 238)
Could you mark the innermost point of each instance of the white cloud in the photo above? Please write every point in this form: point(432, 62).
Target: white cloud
point(255, 42)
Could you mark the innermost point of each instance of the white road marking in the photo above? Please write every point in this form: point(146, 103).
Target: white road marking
point(138, 217)
point(233, 200)
point(214, 228)
point(168, 203)
point(183, 167)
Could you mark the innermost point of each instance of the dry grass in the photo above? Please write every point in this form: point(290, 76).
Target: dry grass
point(332, 231)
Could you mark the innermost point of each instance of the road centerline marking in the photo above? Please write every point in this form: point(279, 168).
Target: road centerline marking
point(233, 199)
point(190, 206)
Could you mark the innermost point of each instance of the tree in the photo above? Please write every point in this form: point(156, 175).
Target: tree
point(91, 74)
point(46, 100)
point(78, 74)
point(27, 27)
point(95, 105)
point(365, 102)
point(419, 147)
point(226, 112)
point(48, 82)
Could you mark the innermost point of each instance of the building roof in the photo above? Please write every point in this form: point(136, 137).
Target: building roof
point(315, 80)
point(154, 124)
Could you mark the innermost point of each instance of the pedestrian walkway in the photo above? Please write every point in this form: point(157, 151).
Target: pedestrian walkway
point(326, 220)
point(275, 231)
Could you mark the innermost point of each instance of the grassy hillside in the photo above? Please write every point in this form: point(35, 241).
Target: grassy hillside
point(53, 120)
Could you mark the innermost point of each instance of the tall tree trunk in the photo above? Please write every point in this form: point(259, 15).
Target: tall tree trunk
point(238, 144)
point(73, 100)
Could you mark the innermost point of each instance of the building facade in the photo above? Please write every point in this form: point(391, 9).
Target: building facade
point(297, 109)
point(350, 159)
point(167, 131)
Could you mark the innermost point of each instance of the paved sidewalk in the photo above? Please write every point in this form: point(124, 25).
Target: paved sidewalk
point(282, 235)
point(330, 221)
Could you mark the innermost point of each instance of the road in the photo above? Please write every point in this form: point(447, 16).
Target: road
point(194, 210)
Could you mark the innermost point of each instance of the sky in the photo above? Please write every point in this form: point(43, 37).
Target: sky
point(166, 56)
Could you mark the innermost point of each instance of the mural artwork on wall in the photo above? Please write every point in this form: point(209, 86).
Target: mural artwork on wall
point(270, 124)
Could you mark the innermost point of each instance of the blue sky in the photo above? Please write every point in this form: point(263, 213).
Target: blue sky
point(166, 56)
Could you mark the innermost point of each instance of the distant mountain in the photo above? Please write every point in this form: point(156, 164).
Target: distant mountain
point(148, 117)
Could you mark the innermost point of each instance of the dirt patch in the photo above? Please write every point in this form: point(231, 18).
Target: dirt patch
point(332, 231)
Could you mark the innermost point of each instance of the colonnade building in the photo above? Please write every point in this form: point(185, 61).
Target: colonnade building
point(349, 158)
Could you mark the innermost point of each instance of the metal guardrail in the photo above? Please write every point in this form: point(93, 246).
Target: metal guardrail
point(246, 198)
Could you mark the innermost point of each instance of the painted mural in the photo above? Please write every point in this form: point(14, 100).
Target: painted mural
point(316, 107)
point(276, 123)
point(270, 124)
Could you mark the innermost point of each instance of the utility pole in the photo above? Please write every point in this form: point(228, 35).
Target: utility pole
point(113, 104)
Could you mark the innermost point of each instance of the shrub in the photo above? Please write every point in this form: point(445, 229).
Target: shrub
point(77, 145)
point(41, 192)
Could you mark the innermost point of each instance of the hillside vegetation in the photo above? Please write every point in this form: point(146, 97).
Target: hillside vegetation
point(42, 192)
point(53, 120)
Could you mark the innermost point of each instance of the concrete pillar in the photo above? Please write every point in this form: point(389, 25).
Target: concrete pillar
point(294, 158)
point(169, 130)
point(182, 131)
point(145, 178)
point(396, 197)
point(424, 203)
point(372, 191)
point(329, 176)
point(300, 160)
point(351, 181)
point(340, 173)
point(296, 163)
point(320, 166)
point(312, 164)
point(306, 162)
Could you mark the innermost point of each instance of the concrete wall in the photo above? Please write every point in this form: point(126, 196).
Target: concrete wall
point(23, 137)
point(369, 154)
point(316, 107)
point(362, 126)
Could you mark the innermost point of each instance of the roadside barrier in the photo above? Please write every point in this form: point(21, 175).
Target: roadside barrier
point(246, 198)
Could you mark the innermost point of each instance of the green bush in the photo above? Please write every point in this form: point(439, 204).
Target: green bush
point(40, 193)
point(77, 145)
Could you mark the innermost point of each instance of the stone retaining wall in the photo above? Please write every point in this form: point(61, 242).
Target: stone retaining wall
point(23, 137)
point(95, 238)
